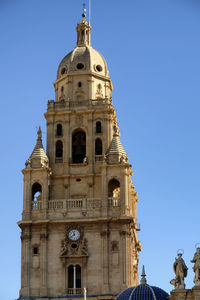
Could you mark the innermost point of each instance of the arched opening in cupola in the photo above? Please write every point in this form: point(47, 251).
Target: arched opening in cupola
point(78, 146)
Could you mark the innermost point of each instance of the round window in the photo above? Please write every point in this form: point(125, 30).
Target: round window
point(99, 68)
point(74, 246)
point(80, 66)
point(63, 71)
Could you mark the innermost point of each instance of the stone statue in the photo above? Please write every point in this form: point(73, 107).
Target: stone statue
point(180, 270)
point(196, 267)
point(64, 248)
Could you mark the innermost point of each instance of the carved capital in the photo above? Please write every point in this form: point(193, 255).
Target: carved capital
point(25, 236)
point(44, 236)
point(105, 233)
point(125, 233)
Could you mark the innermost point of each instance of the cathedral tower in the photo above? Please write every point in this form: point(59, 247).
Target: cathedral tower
point(79, 220)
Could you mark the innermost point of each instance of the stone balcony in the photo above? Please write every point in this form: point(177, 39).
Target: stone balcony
point(69, 104)
point(91, 207)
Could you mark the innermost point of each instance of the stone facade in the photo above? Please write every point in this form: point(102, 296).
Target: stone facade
point(79, 220)
point(186, 294)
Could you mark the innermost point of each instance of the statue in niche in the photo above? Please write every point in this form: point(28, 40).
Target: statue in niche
point(99, 93)
point(180, 270)
point(196, 267)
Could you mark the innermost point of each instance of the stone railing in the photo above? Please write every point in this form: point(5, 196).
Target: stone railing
point(114, 201)
point(67, 104)
point(74, 291)
point(77, 204)
point(36, 205)
point(74, 204)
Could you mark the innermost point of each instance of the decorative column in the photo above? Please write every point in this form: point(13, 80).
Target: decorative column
point(74, 283)
point(105, 260)
point(43, 270)
point(25, 262)
point(123, 257)
point(104, 185)
point(66, 143)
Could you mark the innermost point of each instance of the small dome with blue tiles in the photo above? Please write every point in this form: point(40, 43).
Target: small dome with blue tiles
point(143, 291)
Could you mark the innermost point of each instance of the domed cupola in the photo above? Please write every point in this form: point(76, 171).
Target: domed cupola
point(83, 58)
point(143, 291)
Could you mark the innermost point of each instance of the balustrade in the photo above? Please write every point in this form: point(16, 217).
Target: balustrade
point(77, 204)
point(36, 205)
point(53, 105)
point(114, 201)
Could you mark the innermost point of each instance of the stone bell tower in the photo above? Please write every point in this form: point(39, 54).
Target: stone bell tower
point(79, 220)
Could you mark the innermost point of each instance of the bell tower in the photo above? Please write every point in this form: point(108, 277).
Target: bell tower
point(79, 219)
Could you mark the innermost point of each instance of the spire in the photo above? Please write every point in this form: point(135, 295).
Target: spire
point(83, 31)
point(38, 157)
point(143, 275)
point(116, 152)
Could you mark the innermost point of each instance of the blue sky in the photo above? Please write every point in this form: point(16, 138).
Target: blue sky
point(152, 49)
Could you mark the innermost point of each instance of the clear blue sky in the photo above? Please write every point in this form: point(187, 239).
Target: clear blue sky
point(153, 53)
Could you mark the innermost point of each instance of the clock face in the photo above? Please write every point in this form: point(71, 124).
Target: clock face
point(74, 234)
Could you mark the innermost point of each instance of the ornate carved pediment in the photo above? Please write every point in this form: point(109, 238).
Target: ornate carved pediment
point(74, 243)
point(74, 249)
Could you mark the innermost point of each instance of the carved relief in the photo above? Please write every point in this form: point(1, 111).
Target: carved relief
point(74, 244)
point(99, 93)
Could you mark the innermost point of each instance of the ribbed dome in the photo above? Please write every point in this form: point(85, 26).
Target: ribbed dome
point(83, 58)
point(116, 146)
point(143, 291)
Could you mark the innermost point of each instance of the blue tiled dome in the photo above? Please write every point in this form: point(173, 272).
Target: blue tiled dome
point(143, 292)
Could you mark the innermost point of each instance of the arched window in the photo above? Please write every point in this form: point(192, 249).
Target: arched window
point(71, 277)
point(78, 146)
point(98, 127)
point(59, 149)
point(114, 188)
point(59, 130)
point(78, 277)
point(36, 195)
point(98, 147)
point(36, 191)
point(74, 277)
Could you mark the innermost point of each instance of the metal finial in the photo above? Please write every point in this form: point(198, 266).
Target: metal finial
point(143, 275)
point(39, 133)
point(84, 11)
